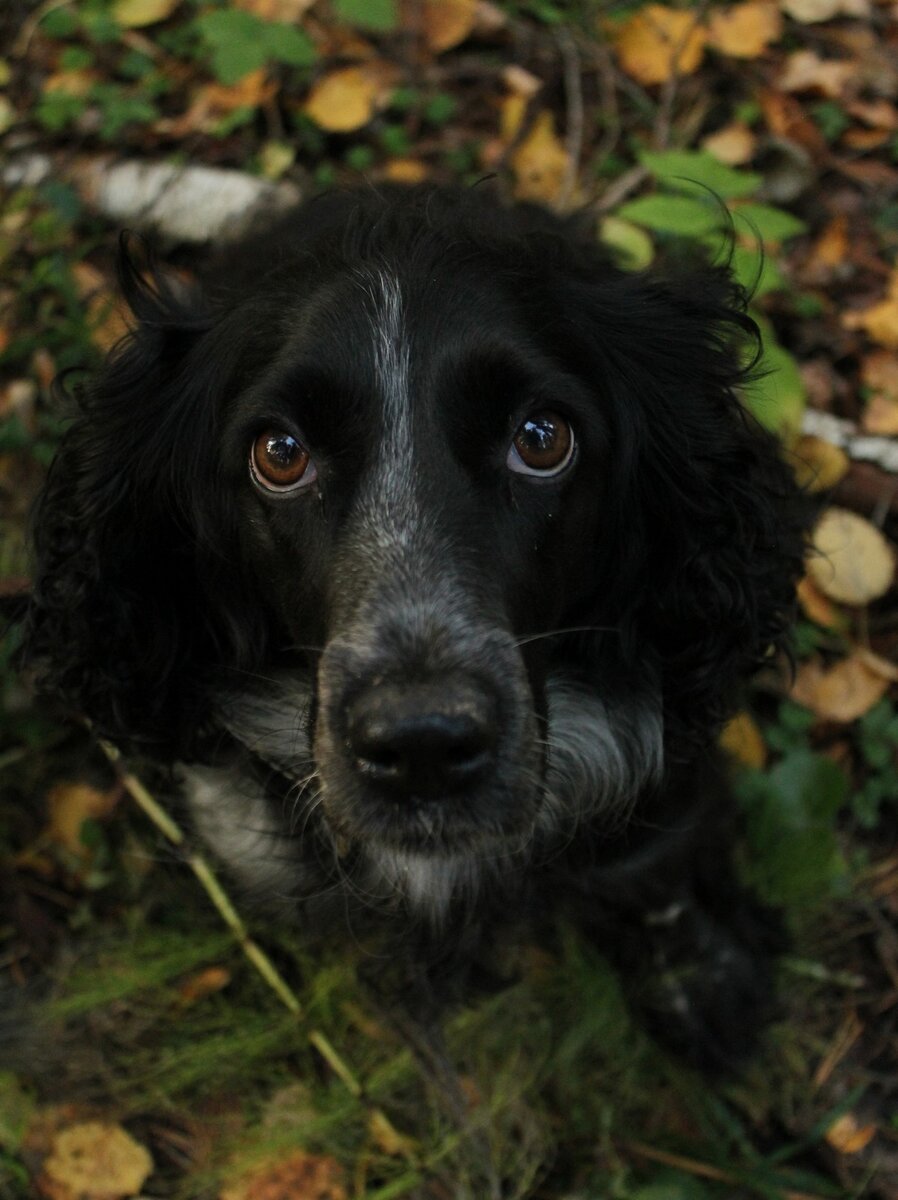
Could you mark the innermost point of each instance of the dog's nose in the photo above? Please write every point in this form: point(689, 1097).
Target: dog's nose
point(423, 740)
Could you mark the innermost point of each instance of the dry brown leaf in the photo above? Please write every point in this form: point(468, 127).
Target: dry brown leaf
point(203, 983)
point(818, 464)
point(743, 741)
point(446, 23)
point(831, 247)
point(879, 371)
point(847, 1136)
point(69, 806)
point(865, 139)
point(406, 170)
point(657, 43)
point(94, 1161)
point(733, 144)
point(106, 313)
point(300, 1176)
point(540, 162)
point(745, 30)
point(881, 321)
point(347, 99)
point(883, 667)
point(880, 114)
point(815, 606)
point(134, 14)
point(788, 119)
point(852, 563)
point(71, 83)
point(880, 416)
point(516, 79)
point(809, 12)
point(841, 693)
point(805, 71)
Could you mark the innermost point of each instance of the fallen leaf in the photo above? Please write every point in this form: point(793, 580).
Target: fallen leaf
point(810, 12)
point(633, 248)
point(203, 983)
point(657, 43)
point(107, 316)
point(879, 371)
point(881, 321)
point(840, 693)
point(788, 119)
point(134, 14)
point(71, 83)
point(446, 23)
point(745, 30)
point(831, 247)
point(815, 606)
point(865, 139)
point(880, 416)
point(733, 144)
point(516, 79)
point(805, 71)
point(852, 562)
point(847, 1136)
point(743, 741)
point(94, 1161)
point(878, 113)
point(540, 163)
point(275, 158)
point(347, 99)
point(300, 1176)
point(818, 464)
point(406, 170)
point(69, 806)
point(883, 667)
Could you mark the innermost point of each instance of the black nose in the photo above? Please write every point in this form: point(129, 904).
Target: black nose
point(423, 740)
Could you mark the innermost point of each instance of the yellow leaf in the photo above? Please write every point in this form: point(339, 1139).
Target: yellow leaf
point(846, 1136)
point(446, 23)
point(818, 464)
point(406, 170)
point(134, 14)
point(94, 1161)
point(540, 163)
point(841, 693)
point(658, 43)
point(511, 114)
point(881, 321)
point(347, 99)
point(742, 740)
point(815, 606)
point(70, 805)
point(851, 562)
point(745, 30)
point(71, 83)
point(633, 248)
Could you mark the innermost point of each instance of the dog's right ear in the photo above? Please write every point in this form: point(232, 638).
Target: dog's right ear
point(109, 627)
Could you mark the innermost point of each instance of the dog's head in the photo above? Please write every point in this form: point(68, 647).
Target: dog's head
point(469, 515)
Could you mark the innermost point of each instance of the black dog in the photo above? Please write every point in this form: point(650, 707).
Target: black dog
point(437, 549)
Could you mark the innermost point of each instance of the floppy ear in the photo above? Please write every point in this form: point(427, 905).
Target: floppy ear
point(111, 626)
point(710, 523)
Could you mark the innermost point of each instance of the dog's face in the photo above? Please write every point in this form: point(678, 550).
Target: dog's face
point(416, 491)
point(432, 507)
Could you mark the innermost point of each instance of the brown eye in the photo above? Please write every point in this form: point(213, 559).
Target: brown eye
point(542, 445)
point(280, 463)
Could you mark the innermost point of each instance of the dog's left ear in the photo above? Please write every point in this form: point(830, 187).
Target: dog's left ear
point(710, 529)
point(111, 627)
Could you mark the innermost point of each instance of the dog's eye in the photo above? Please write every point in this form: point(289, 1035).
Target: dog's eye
point(280, 463)
point(542, 445)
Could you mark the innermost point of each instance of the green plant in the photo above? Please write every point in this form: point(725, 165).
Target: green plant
point(877, 741)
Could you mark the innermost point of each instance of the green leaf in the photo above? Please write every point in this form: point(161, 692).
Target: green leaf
point(769, 223)
point(288, 44)
point(756, 272)
point(235, 45)
point(686, 169)
point(685, 215)
point(791, 825)
point(631, 246)
point(380, 16)
point(777, 397)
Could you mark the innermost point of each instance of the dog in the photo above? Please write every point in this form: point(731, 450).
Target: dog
point(434, 550)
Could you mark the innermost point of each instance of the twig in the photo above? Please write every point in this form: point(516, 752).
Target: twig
point(573, 94)
point(702, 1169)
point(216, 893)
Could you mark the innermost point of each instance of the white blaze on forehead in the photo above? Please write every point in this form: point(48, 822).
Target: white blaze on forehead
point(390, 498)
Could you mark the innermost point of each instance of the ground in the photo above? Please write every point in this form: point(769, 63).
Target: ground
point(142, 1050)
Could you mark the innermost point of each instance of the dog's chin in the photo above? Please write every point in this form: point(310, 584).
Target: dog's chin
point(472, 826)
